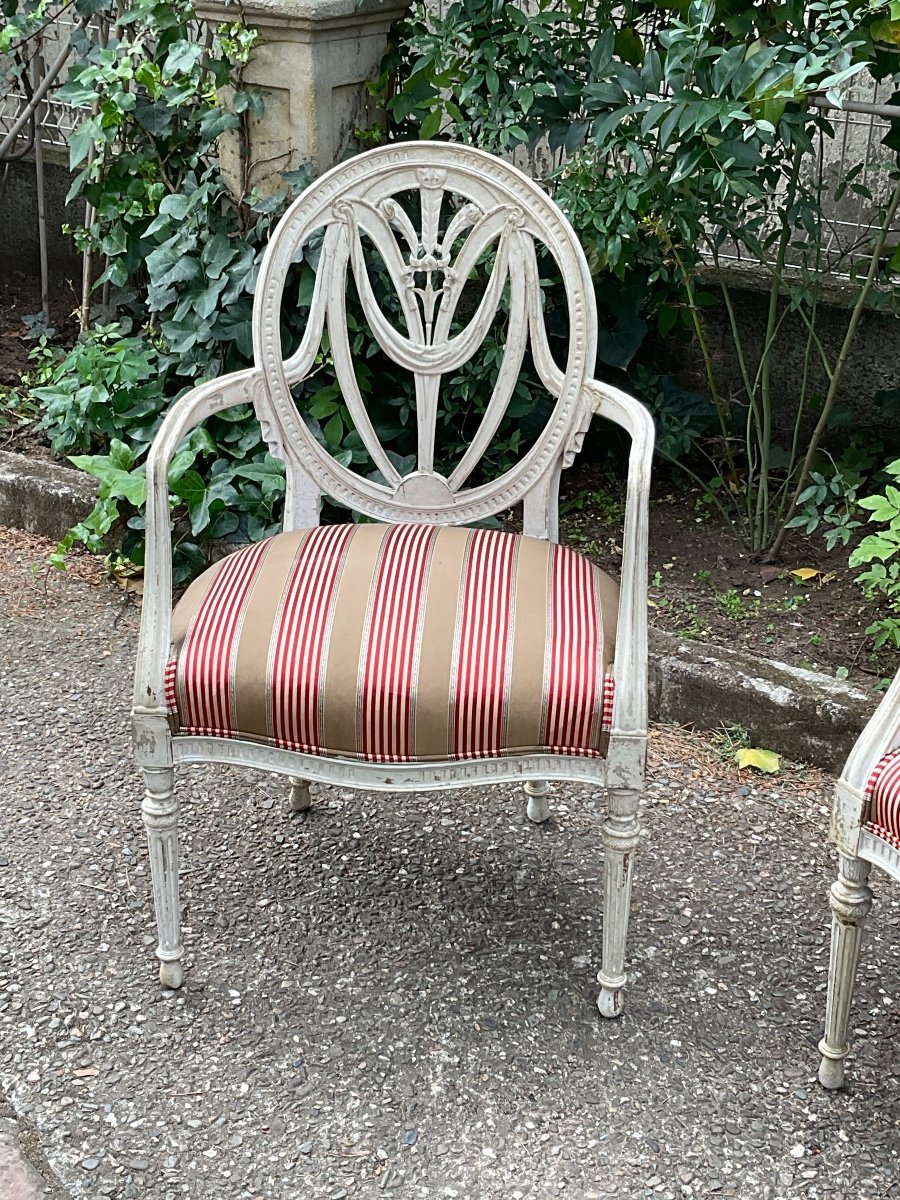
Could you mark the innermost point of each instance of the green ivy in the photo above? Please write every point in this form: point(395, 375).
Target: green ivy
point(882, 551)
point(182, 249)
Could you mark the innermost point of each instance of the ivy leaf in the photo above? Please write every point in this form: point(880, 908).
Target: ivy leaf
point(175, 206)
point(180, 463)
point(130, 485)
point(191, 488)
point(182, 57)
point(766, 761)
point(155, 116)
point(215, 121)
point(120, 455)
point(81, 140)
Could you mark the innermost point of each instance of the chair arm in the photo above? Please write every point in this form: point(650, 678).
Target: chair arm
point(881, 734)
point(630, 703)
point(156, 614)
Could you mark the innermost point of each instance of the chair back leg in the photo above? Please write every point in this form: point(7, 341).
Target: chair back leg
point(851, 899)
point(300, 799)
point(160, 812)
point(538, 807)
point(621, 833)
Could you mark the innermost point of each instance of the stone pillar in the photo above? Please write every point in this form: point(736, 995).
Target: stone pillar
point(313, 60)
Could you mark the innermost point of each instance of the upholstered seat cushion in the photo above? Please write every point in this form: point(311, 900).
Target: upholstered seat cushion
point(883, 791)
point(398, 643)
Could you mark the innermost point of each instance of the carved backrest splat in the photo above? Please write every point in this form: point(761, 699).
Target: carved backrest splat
point(470, 205)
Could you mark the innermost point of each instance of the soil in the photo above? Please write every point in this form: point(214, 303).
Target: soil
point(702, 584)
point(20, 299)
point(706, 587)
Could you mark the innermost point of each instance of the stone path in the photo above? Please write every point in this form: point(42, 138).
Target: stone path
point(395, 996)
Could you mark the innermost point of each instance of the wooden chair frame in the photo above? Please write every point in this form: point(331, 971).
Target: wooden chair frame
point(505, 210)
point(851, 897)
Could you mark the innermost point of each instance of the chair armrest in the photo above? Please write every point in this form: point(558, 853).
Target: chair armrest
point(630, 703)
point(156, 614)
point(881, 734)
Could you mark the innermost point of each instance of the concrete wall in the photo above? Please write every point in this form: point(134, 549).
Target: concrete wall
point(313, 61)
point(873, 363)
point(19, 224)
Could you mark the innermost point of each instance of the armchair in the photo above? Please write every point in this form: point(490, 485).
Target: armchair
point(415, 652)
point(865, 828)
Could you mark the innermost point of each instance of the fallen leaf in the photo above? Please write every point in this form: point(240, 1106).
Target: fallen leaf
point(766, 761)
point(768, 572)
point(805, 573)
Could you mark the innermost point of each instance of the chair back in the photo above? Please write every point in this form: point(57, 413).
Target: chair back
point(433, 212)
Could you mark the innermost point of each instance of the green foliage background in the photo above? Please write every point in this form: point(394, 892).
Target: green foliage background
point(666, 132)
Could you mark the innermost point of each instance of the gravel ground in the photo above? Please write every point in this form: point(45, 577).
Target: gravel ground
point(396, 996)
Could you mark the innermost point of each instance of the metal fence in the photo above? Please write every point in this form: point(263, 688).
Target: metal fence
point(21, 73)
point(854, 157)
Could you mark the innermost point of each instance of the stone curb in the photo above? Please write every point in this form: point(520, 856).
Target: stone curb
point(800, 714)
point(20, 1178)
point(43, 497)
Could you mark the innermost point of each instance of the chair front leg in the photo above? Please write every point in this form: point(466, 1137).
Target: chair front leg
point(621, 832)
point(851, 899)
point(300, 799)
point(160, 812)
point(538, 793)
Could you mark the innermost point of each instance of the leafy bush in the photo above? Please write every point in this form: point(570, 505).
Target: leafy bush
point(831, 502)
point(181, 246)
point(675, 134)
point(108, 395)
point(882, 550)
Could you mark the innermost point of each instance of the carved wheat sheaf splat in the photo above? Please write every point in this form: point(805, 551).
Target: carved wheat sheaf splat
point(429, 281)
point(477, 212)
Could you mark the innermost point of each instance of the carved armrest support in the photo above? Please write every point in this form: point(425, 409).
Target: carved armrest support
point(156, 615)
point(881, 735)
point(630, 704)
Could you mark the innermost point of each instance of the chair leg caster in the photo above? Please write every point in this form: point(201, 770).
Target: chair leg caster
point(611, 1002)
point(831, 1072)
point(300, 799)
point(171, 974)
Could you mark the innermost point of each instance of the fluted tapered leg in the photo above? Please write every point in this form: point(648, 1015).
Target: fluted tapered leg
point(160, 811)
point(300, 798)
point(851, 899)
point(538, 793)
point(621, 833)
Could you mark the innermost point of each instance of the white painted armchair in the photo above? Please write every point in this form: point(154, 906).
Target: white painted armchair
point(417, 652)
point(865, 828)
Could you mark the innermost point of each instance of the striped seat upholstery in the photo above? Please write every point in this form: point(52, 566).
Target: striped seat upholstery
point(883, 792)
point(398, 643)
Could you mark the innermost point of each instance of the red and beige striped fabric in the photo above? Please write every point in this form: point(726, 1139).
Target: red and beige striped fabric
point(883, 792)
point(398, 643)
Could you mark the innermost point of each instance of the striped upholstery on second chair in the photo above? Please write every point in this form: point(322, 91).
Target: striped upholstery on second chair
point(883, 792)
point(398, 643)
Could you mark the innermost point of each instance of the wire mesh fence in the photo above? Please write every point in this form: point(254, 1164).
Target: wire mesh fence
point(20, 74)
point(851, 171)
